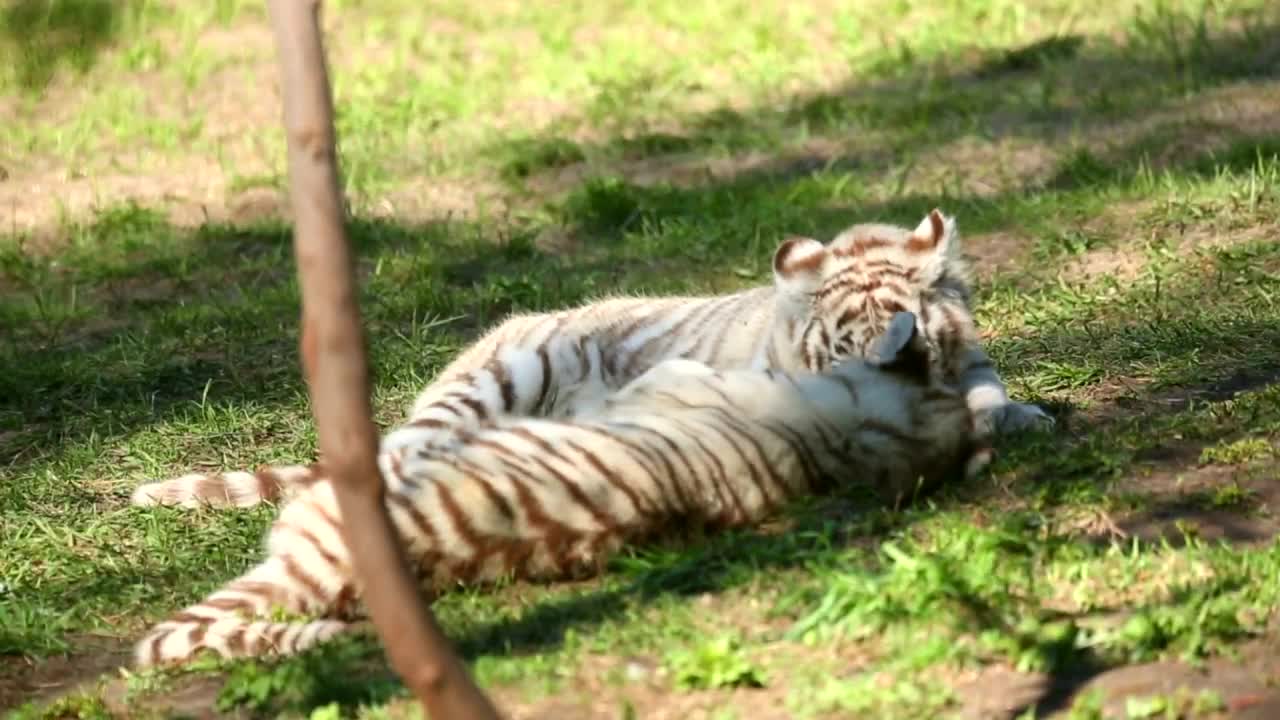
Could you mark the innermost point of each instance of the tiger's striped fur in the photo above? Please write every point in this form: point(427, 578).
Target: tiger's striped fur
point(543, 499)
point(826, 304)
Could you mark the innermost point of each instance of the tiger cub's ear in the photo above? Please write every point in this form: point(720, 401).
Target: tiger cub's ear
point(937, 243)
point(901, 348)
point(797, 269)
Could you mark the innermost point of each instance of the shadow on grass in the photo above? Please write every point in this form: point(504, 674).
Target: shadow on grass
point(1060, 683)
point(41, 36)
point(136, 322)
point(757, 208)
point(1050, 89)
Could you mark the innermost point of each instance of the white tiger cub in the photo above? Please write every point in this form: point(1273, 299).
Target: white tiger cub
point(542, 499)
point(826, 304)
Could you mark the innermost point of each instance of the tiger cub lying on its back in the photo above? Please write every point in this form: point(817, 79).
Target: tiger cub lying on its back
point(544, 499)
point(826, 305)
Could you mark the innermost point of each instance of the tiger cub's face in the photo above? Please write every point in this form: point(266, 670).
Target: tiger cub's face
point(836, 299)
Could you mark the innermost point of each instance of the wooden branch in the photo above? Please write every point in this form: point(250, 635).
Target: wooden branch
point(333, 360)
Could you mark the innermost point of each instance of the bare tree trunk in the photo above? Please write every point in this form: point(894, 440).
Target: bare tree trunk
point(333, 360)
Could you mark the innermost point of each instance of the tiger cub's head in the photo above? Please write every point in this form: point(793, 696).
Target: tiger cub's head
point(834, 300)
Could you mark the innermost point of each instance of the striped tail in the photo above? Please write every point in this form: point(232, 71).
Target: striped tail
point(231, 623)
point(233, 489)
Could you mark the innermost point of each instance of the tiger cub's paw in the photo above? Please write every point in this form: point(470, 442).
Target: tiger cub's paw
point(1017, 417)
point(1011, 418)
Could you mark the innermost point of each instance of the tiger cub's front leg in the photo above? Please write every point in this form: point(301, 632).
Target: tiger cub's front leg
point(988, 400)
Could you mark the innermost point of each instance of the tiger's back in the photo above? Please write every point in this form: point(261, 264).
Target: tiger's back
point(546, 499)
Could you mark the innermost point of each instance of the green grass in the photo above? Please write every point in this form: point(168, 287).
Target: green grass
point(1116, 170)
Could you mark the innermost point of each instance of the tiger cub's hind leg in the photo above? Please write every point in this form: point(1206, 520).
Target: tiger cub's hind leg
point(307, 573)
point(238, 620)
